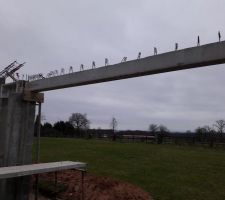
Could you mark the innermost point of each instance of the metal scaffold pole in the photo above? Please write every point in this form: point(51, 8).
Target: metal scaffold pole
point(38, 148)
point(38, 134)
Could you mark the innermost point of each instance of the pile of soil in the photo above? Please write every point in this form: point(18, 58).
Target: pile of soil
point(94, 187)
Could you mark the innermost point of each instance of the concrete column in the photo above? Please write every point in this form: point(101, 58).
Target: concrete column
point(16, 139)
point(2, 81)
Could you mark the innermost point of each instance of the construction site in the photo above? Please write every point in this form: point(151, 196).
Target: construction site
point(21, 100)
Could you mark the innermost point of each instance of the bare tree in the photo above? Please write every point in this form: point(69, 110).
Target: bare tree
point(203, 132)
point(220, 126)
point(206, 133)
point(211, 135)
point(153, 128)
point(160, 132)
point(114, 124)
point(163, 129)
point(79, 121)
point(208, 129)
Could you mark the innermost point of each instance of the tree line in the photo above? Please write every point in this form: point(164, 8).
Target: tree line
point(203, 134)
point(78, 125)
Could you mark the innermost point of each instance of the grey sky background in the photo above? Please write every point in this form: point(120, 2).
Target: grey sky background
point(51, 34)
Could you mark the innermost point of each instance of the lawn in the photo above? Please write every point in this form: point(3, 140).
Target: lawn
point(167, 172)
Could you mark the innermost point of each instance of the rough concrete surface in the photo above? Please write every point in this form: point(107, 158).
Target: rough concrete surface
point(210, 54)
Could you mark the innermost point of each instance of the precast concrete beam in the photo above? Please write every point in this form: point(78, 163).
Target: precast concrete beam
point(210, 54)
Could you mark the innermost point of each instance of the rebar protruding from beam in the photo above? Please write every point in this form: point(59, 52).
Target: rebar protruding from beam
point(81, 67)
point(176, 46)
point(106, 61)
point(124, 59)
point(62, 72)
point(71, 69)
point(93, 64)
point(219, 36)
point(198, 41)
point(139, 56)
point(155, 51)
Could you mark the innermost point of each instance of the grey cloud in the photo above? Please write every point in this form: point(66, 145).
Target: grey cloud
point(54, 34)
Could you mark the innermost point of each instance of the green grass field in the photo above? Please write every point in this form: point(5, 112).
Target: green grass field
point(167, 172)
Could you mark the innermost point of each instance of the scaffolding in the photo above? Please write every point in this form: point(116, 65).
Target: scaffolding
point(10, 70)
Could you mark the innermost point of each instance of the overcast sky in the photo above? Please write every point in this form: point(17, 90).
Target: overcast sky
point(51, 34)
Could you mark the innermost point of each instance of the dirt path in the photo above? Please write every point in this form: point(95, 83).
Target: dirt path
point(40, 197)
point(96, 187)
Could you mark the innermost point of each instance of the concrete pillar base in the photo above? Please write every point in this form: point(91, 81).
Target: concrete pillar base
point(16, 140)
